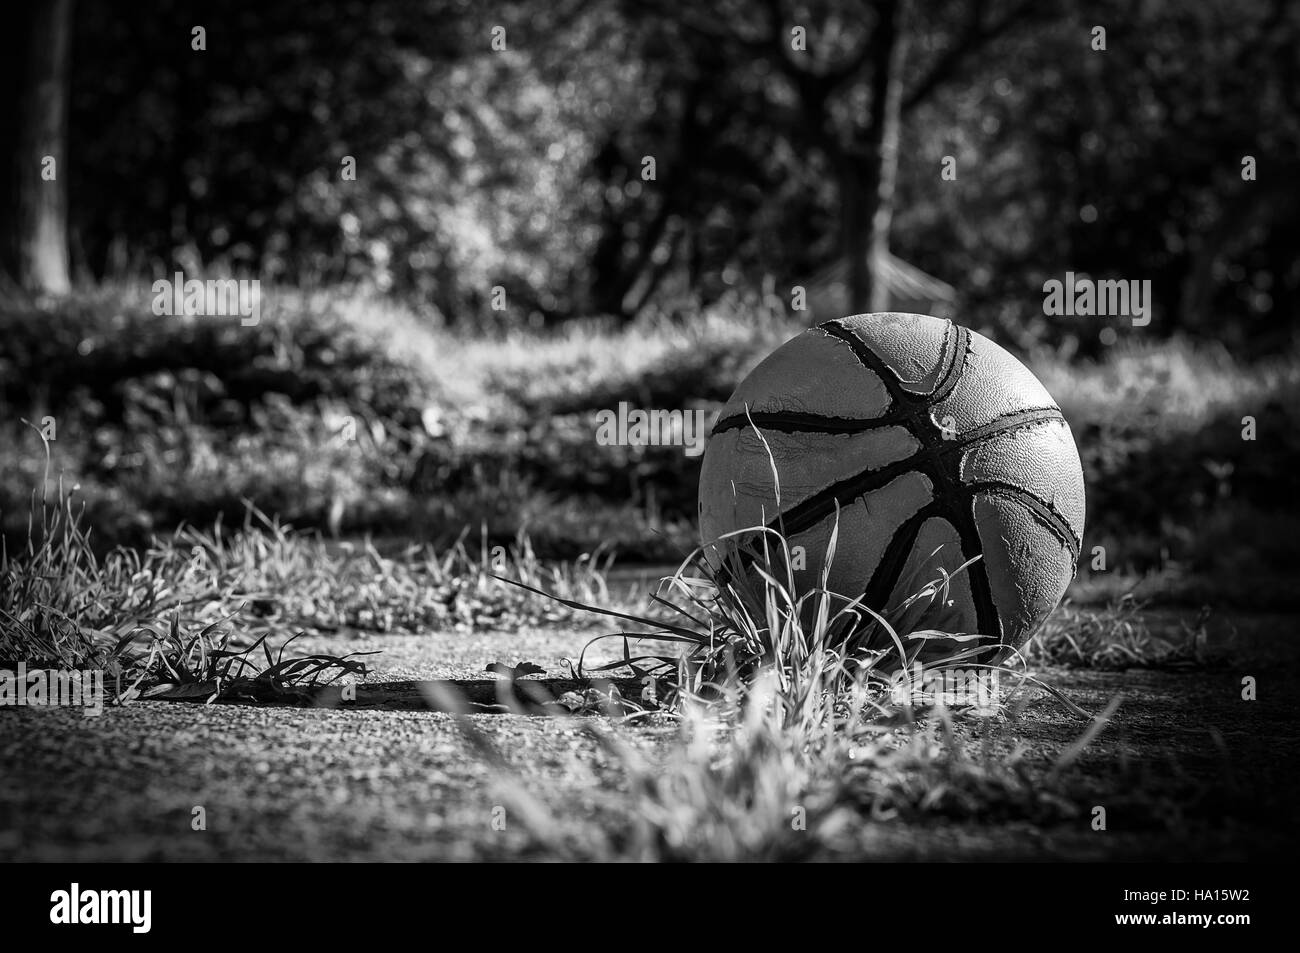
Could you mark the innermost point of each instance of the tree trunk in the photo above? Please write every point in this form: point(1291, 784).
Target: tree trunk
point(870, 172)
point(857, 194)
point(887, 127)
point(36, 246)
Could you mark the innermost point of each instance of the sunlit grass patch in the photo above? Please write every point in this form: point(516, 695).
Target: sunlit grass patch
point(173, 666)
point(62, 606)
point(185, 611)
point(1119, 636)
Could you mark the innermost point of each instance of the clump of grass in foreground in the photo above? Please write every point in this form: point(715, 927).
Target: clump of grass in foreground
point(60, 604)
point(123, 615)
point(739, 612)
point(201, 668)
point(732, 783)
point(788, 732)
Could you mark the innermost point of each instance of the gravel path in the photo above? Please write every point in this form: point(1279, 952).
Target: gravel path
point(1187, 770)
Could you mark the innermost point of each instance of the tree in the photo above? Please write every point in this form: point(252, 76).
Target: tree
point(1123, 163)
point(35, 243)
point(833, 82)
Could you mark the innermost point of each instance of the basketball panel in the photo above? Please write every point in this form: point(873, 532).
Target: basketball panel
point(864, 528)
point(993, 384)
point(1028, 566)
point(737, 487)
point(815, 373)
point(913, 346)
point(1041, 459)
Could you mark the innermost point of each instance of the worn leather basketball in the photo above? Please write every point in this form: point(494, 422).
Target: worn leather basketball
point(936, 444)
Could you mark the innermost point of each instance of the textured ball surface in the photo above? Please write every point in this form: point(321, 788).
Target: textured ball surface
point(937, 446)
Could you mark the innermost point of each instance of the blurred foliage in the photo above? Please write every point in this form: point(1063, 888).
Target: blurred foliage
point(181, 419)
point(1124, 163)
point(112, 362)
point(467, 162)
point(522, 168)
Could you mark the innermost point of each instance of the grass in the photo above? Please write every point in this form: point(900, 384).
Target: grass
point(760, 787)
point(787, 727)
point(200, 667)
point(184, 615)
point(123, 615)
point(357, 418)
point(1120, 636)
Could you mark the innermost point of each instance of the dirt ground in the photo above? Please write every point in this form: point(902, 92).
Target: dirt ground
point(1186, 770)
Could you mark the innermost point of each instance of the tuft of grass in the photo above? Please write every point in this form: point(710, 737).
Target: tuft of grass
point(731, 781)
point(735, 609)
point(72, 610)
point(200, 667)
point(1119, 636)
point(183, 616)
point(787, 733)
point(60, 604)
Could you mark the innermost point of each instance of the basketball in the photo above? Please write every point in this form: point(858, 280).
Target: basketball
point(930, 445)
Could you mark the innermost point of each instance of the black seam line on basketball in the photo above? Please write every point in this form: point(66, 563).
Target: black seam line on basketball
point(889, 570)
point(811, 510)
point(1015, 420)
point(791, 421)
point(987, 616)
point(951, 377)
point(953, 362)
point(1043, 509)
point(788, 421)
point(1046, 513)
point(885, 575)
point(900, 397)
